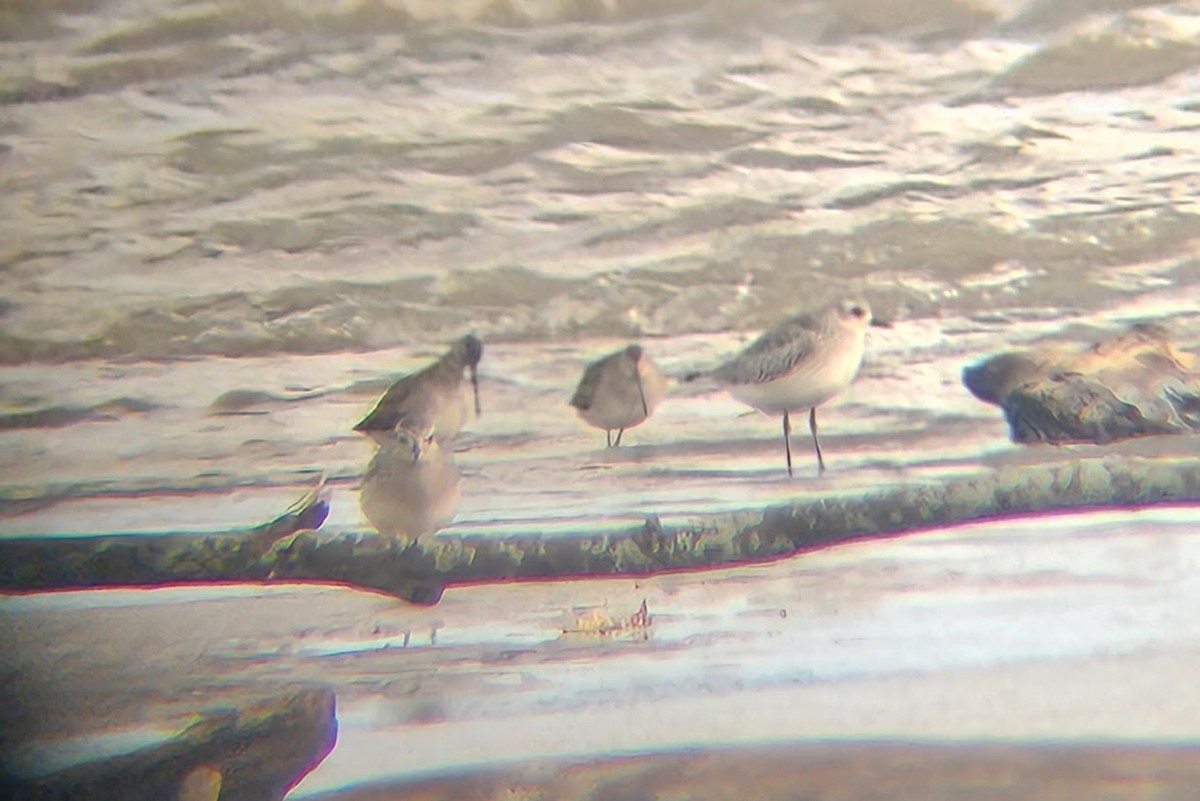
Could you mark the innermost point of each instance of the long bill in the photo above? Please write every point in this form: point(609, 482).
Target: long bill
point(475, 386)
point(642, 393)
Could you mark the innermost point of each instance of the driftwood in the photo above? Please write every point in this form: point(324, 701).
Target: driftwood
point(290, 550)
point(1133, 385)
point(239, 749)
point(54, 563)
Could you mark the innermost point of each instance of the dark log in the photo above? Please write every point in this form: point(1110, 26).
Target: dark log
point(244, 749)
point(289, 550)
point(55, 563)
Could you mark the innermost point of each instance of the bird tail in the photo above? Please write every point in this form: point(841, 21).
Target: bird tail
point(695, 383)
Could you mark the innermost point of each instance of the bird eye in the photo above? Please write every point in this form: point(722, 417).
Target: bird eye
point(858, 311)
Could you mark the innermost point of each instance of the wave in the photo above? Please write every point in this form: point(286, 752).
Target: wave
point(380, 179)
point(746, 285)
point(182, 40)
point(1126, 51)
point(61, 416)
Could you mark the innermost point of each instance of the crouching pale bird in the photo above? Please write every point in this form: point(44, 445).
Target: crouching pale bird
point(411, 488)
point(799, 364)
point(433, 398)
point(619, 391)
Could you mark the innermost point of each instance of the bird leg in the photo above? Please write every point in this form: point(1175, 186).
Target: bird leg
point(607, 438)
point(617, 444)
point(812, 426)
point(787, 441)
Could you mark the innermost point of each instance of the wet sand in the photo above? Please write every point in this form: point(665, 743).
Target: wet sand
point(1019, 632)
point(834, 772)
point(180, 467)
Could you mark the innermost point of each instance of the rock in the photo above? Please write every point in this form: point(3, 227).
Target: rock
point(240, 748)
point(1133, 385)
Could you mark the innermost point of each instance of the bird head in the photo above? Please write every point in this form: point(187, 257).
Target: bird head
point(415, 441)
point(855, 312)
point(471, 349)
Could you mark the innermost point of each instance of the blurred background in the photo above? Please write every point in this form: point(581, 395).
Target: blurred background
point(226, 227)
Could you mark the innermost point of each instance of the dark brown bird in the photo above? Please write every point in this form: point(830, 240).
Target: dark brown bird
point(619, 391)
point(432, 399)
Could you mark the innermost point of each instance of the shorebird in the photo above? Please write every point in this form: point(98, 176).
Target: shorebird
point(799, 364)
point(619, 391)
point(431, 399)
point(411, 488)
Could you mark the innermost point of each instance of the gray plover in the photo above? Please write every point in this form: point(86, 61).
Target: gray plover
point(411, 488)
point(799, 364)
point(619, 391)
point(430, 399)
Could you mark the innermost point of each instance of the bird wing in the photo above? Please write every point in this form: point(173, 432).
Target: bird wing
point(772, 355)
point(585, 393)
point(394, 407)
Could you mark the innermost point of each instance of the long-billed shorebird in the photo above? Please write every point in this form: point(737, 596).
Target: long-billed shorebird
point(432, 399)
point(412, 486)
point(799, 364)
point(619, 391)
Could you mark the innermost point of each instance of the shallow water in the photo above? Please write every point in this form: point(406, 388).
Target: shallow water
point(208, 180)
point(223, 230)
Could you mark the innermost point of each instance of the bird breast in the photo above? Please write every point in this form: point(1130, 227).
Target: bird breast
point(408, 500)
point(812, 381)
point(455, 411)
